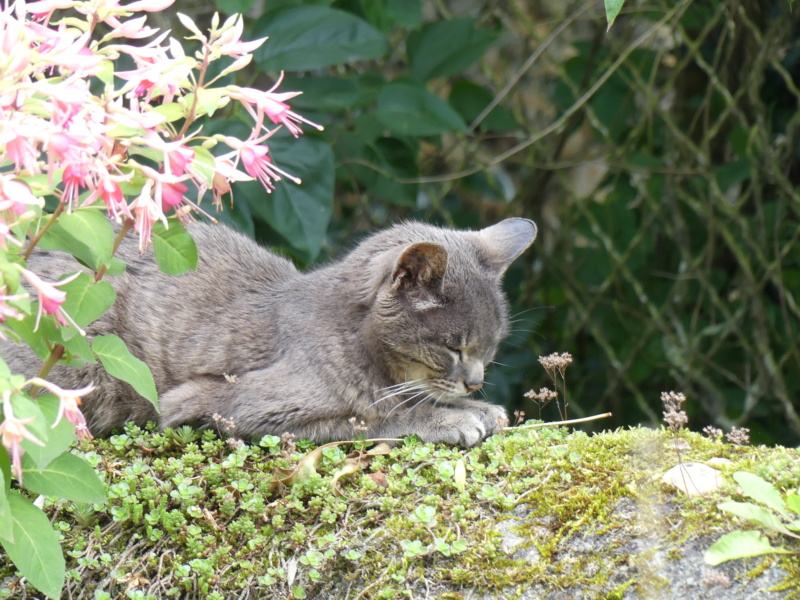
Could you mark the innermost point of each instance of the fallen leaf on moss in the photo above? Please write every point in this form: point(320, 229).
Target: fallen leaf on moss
point(350, 466)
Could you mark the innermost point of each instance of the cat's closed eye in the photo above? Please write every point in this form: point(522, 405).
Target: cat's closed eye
point(458, 355)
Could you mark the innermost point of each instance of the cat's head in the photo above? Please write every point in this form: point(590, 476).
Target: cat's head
point(439, 313)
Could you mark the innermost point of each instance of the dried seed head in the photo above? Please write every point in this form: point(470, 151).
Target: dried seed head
point(715, 433)
point(358, 427)
point(674, 417)
point(543, 396)
point(739, 436)
point(556, 361)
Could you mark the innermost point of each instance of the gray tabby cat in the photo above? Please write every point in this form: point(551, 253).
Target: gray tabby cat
point(396, 334)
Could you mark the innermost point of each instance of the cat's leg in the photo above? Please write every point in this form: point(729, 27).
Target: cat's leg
point(493, 417)
point(190, 402)
point(465, 425)
point(258, 403)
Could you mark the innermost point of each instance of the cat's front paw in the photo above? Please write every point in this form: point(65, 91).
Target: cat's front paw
point(465, 425)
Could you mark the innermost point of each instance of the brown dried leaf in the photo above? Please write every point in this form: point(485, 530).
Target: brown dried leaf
point(350, 466)
point(382, 449)
point(379, 477)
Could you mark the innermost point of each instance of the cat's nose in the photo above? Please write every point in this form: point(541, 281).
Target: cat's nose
point(473, 386)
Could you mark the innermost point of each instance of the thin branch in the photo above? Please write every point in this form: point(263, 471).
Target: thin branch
point(558, 423)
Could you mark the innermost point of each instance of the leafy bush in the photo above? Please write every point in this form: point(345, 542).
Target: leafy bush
point(82, 135)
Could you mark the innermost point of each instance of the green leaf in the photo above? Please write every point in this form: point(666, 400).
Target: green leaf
point(232, 7)
point(444, 48)
point(35, 550)
point(470, 99)
point(405, 13)
point(753, 512)
point(59, 437)
point(299, 213)
point(92, 228)
point(303, 38)
point(733, 173)
point(204, 164)
point(66, 476)
point(392, 158)
point(612, 10)
point(25, 408)
point(760, 490)
point(175, 249)
point(105, 72)
point(5, 469)
point(322, 93)
point(740, 544)
point(208, 100)
point(85, 234)
point(6, 529)
point(120, 363)
point(56, 238)
point(793, 502)
point(35, 339)
point(86, 301)
point(408, 108)
point(171, 112)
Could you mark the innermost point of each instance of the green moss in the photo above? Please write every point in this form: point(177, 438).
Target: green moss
point(190, 515)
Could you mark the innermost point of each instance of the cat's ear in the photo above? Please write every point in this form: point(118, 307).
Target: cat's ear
point(421, 265)
point(506, 240)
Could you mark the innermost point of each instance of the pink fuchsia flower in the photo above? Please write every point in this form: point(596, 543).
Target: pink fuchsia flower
point(168, 189)
point(177, 160)
point(63, 146)
point(69, 403)
point(258, 164)
point(272, 105)
point(51, 299)
point(9, 312)
point(157, 75)
point(146, 212)
point(23, 153)
point(73, 56)
point(229, 42)
point(109, 190)
point(134, 29)
point(5, 236)
point(13, 37)
point(12, 432)
point(224, 173)
point(172, 194)
point(76, 177)
point(148, 5)
point(117, 114)
point(44, 9)
point(16, 196)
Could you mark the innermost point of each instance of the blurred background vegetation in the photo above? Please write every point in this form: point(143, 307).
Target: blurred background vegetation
point(659, 159)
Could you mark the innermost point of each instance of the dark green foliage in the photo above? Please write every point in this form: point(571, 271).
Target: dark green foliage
point(659, 159)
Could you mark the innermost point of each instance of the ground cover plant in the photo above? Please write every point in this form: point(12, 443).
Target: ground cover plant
point(192, 515)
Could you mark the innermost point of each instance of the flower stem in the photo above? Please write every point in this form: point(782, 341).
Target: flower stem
point(200, 82)
point(35, 239)
point(126, 227)
point(55, 355)
point(558, 423)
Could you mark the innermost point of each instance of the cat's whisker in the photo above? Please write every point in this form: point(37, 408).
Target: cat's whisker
point(522, 312)
point(401, 385)
point(407, 400)
point(403, 390)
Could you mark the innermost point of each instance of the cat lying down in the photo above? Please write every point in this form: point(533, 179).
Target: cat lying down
point(396, 334)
